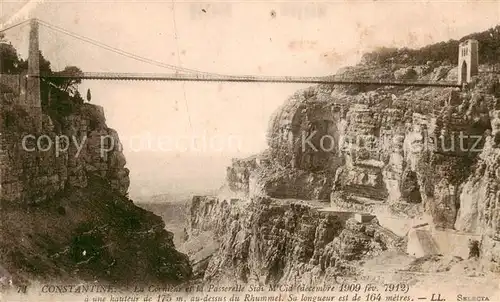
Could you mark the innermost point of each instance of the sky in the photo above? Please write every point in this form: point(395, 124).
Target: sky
point(231, 37)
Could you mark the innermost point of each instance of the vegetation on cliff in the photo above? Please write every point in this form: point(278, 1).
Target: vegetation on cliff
point(489, 51)
point(59, 96)
point(89, 234)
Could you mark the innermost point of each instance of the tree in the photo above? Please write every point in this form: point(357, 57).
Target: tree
point(68, 83)
point(44, 65)
point(89, 95)
point(9, 59)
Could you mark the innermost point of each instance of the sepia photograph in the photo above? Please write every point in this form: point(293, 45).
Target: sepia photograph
point(249, 151)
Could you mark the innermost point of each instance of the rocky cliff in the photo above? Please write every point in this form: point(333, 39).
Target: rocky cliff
point(390, 145)
point(65, 214)
point(270, 241)
point(402, 153)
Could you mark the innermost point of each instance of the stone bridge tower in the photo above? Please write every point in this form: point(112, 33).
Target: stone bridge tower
point(468, 57)
point(33, 95)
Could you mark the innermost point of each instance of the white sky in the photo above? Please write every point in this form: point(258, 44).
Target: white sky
point(239, 37)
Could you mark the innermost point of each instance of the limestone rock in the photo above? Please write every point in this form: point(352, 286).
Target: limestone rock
point(408, 73)
point(80, 145)
point(303, 133)
point(272, 242)
point(67, 216)
point(403, 149)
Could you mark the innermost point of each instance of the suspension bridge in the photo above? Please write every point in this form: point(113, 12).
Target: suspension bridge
point(187, 74)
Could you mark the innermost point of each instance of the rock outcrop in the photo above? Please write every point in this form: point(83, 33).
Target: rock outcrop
point(270, 241)
point(36, 165)
point(419, 151)
point(479, 207)
point(65, 214)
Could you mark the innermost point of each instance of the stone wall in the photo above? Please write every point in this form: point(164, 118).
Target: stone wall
point(11, 83)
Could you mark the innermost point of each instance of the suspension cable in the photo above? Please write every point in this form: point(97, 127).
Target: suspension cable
point(123, 52)
point(12, 26)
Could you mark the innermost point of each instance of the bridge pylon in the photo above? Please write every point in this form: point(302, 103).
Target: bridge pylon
point(33, 100)
point(468, 61)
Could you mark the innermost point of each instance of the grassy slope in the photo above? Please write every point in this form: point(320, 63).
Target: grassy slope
point(89, 234)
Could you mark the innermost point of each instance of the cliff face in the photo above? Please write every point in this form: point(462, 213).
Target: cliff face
point(36, 165)
point(389, 145)
point(429, 154)
point(479, 208)
point(269, 241)
point(65, 214)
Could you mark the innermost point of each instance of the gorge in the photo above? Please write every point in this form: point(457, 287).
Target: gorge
point(353, 174)
point(405, 171)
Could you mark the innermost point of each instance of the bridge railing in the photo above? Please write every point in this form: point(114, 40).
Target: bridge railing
point(241, 78)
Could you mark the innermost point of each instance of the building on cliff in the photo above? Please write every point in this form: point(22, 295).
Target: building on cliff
point(468, 60)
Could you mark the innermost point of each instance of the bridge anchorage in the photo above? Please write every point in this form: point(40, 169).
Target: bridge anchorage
point(467, 64)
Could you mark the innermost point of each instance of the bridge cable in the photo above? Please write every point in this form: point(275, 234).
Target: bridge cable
point(12, 26)
point(123, 52)
point(109, 48)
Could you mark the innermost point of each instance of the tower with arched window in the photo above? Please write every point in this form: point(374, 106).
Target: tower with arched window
point(467, 60)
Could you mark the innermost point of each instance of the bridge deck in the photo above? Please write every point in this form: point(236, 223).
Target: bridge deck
point(244, 79)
